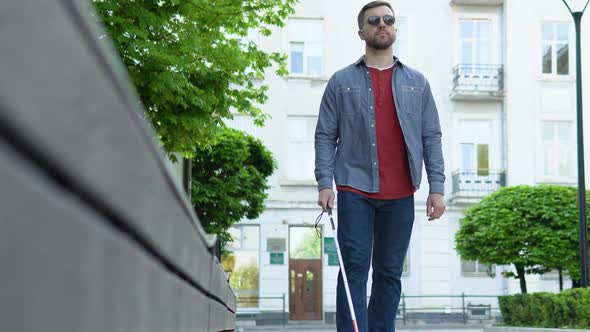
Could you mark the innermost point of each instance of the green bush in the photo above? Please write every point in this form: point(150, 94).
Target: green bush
point(570, 308)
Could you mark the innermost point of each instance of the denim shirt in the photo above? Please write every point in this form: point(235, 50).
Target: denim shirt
point(345, 136)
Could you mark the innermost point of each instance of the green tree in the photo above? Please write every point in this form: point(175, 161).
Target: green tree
point(190, 62)
point(533, 228)
point(229, 181)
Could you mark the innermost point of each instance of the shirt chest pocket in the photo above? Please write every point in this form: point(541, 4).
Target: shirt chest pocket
point(411, 99)
point(349, 100)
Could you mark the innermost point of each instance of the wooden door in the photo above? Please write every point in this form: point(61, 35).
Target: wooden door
point(305, 289)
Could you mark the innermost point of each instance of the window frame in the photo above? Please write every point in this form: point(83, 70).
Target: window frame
point(256, 250)
point(465, 126)
point(495, 42)
point(571, 47)
point(293, 157)
point(557, 178)
point(475, 41)
point(305, 42)
point(477, 272)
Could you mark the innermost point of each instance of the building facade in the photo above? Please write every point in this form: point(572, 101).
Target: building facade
point(503, 76)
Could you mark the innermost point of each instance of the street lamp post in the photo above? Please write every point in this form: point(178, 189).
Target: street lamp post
point(577, 8)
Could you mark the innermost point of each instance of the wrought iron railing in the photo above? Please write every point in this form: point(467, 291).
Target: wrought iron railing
point(473, 78)
point(247, 303)
point(457, 308)
point(477, 184)
point(461, 308)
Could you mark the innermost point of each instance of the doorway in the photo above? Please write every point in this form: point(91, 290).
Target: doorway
point(305, 274)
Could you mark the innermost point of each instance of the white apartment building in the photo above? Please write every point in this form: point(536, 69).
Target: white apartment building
point(503, 76)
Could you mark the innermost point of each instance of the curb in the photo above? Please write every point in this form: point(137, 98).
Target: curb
point(529, 329)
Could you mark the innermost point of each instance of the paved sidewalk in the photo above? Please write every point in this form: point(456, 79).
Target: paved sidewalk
point(332, 328)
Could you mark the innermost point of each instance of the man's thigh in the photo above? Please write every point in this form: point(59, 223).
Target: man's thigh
point(393, 228)
point(355, 227)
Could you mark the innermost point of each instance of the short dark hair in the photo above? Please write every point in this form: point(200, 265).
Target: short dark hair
point(372, 4)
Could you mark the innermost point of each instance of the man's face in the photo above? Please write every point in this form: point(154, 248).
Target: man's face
point(381, 36)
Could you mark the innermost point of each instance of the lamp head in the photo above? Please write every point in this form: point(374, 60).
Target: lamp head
point(576, 6)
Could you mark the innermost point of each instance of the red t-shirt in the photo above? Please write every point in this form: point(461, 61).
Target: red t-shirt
point(394, 171)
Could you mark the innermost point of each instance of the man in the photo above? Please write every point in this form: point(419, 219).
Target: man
point(377, 124)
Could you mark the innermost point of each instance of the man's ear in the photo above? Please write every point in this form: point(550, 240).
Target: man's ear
point(361, 35)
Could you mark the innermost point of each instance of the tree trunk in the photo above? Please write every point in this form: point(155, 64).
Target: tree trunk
point(560, 270)
point(576, 283)
point(187, 167)
point(521, 277)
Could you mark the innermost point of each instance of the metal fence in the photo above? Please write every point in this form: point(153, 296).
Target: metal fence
point(461, 308)
point(245, 306)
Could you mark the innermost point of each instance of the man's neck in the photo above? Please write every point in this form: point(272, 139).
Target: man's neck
point(379, 58)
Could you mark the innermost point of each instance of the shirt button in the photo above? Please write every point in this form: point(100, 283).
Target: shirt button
point(367, 72)
point(370, 89)
point(372, 125)
point(374, 163)
point(373, 144)
point(371, 107)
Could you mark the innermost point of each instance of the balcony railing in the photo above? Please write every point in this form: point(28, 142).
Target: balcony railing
point(474, 81)
point(477, 184)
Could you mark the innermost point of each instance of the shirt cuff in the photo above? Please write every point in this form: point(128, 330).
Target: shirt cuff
point(324, 183)
point(437, 188)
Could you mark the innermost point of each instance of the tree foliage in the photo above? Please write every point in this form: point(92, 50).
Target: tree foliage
point(533, 228)
point(229, 181)
point(191, 63)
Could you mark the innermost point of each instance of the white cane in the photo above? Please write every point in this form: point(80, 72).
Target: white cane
point(343, 271)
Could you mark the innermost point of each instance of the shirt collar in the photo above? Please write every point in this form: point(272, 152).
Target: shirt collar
point(395, 61)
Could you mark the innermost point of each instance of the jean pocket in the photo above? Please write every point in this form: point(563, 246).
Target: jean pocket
point(349, 98)
point(411, 98)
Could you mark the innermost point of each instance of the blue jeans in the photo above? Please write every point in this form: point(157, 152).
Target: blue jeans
point(379, 231)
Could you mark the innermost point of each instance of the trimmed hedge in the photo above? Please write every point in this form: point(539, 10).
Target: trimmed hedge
point(570, 308)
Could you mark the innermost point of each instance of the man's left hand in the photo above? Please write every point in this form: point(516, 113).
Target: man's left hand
point(435, 206)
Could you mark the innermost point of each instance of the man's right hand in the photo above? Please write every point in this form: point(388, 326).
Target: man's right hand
point(326, 199)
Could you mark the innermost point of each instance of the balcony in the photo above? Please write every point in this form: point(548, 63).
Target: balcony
point(477, 2)
point(469, 186)
point(478, 82)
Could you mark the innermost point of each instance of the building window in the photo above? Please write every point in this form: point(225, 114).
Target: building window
point(558, 149)
point(476, 268)
point(305, 47)
point(555, 48)
point(475, 158)
point(475, 137)
point(400, 47)
point(242, 264)
point(300, 163)
point(475, 41)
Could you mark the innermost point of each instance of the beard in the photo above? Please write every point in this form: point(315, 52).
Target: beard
point(380, 44)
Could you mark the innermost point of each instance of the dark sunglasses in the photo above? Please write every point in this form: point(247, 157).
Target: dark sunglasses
point(375, 20)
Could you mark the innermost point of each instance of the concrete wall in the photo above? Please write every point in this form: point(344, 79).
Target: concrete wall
point(95, 233)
